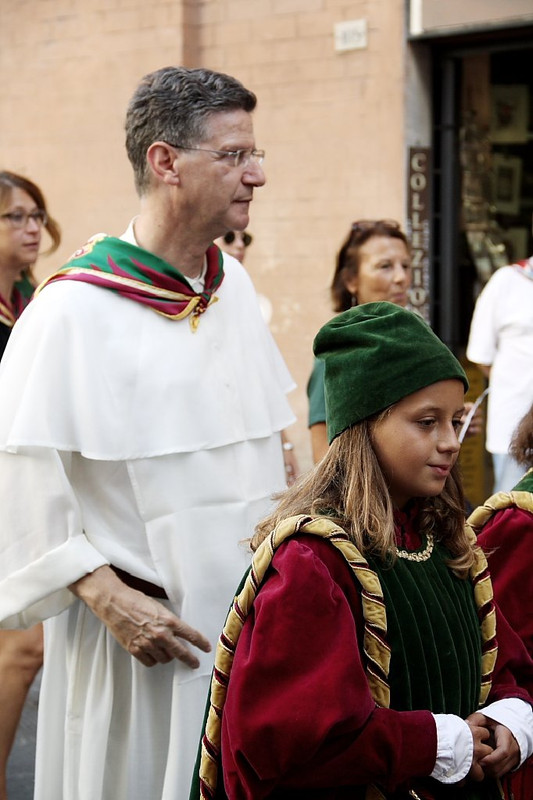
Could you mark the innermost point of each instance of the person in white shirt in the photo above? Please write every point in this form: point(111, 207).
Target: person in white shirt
point(501, 344)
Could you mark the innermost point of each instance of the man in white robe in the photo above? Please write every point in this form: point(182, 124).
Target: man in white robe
point(137, 450)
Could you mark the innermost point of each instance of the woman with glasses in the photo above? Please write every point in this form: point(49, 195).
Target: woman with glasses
point(373, 264)
point(23, 215)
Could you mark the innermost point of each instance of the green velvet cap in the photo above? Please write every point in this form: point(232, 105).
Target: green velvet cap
point(375, 354)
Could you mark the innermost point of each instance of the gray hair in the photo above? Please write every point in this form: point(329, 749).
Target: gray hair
point(172, 104)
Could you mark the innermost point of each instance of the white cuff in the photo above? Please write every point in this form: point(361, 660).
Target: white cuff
point(517, 715)
point(455, 748)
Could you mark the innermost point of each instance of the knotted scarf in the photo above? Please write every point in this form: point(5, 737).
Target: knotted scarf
point(141, 276)
point(21, 296)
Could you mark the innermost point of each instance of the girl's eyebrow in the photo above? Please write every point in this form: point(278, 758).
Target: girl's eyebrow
point(432, 409)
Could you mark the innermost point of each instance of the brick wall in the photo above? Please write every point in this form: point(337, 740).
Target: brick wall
point(332, 125)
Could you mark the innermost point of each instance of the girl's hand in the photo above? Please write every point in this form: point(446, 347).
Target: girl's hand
point(482, 747)
point(505, 754)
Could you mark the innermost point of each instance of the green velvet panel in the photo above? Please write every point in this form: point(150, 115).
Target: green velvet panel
point(434, 634)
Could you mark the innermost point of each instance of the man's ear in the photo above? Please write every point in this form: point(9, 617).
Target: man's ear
point(163, 162)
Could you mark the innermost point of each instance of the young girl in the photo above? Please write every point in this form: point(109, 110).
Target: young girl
point(504, 524)
point(362, 644)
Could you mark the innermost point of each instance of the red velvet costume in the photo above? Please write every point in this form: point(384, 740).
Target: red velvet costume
point(299, 719)
point(507, 538)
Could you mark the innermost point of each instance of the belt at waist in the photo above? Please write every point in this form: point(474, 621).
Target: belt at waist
point(150, 589)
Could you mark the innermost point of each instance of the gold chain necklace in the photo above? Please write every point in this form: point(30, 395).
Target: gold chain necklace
point(422, 555)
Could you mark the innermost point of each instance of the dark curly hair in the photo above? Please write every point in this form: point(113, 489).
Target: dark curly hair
point(521, 447)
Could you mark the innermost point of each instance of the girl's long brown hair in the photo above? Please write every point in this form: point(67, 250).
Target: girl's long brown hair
point(349, 488)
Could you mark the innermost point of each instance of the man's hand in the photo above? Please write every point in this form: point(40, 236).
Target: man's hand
point(140, 624)
point(505, 754)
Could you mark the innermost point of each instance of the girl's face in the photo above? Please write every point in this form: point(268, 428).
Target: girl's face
point(416, 442)
point(384, 271)
point(19, 245)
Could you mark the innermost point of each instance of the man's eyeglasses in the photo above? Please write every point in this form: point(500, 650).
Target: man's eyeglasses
point(229, 238)
point(19, 219)
point(237, 158)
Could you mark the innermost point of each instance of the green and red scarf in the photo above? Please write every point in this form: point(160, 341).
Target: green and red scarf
point(20, 297)
point(141, 276)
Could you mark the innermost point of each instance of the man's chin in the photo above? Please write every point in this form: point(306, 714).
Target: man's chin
point(239, 224)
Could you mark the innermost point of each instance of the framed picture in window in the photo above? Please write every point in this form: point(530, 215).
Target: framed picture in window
point(509, 113)
point(507, 171)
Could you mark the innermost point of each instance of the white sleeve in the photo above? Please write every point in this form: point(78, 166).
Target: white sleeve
point(43, 548)
point(455, 748)
point(483, 336)
point(516, 715)
point(455, 745)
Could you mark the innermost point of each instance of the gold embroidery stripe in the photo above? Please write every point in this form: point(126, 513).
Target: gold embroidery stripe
point(132, 283)
point(192, 307)
point(483, 596)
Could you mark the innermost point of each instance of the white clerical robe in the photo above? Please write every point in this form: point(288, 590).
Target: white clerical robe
point(128, 439)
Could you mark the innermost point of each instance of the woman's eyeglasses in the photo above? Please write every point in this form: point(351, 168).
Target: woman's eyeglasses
point(229, 237)
point(19, 219)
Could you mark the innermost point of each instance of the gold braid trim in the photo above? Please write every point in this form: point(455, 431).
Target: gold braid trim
point(497, 502)
point(376, 650)
point(484, 597)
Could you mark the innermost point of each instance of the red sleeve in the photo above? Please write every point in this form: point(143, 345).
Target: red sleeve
point(513, 673)
point(507, 540)
point(299, 713)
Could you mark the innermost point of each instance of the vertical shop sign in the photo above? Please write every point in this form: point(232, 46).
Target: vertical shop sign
point(418, 227)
